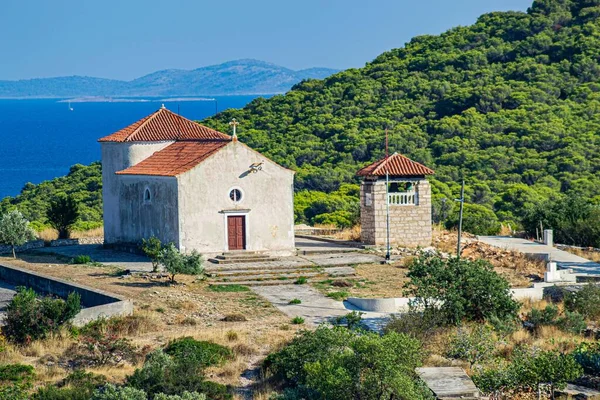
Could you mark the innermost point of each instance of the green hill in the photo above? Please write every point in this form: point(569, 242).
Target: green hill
point(511, 103)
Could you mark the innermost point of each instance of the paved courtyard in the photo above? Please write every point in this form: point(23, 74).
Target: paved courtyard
point(579, 265)
point(315, 308)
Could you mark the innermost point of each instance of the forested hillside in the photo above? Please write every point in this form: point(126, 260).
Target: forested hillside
point(510, 103)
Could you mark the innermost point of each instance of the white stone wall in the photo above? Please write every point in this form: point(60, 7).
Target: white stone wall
point(267, 203)
point(410, 226)
point(139, 218)
point(116, 157)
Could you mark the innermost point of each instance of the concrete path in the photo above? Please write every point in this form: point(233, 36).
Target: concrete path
point(315, 307)
point(7, 291)
point(580, 266)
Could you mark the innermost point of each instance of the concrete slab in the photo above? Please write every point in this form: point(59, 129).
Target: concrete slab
point(315, 308)
point(578, 392)
point(98, 253)
point(581, 266)
point(349, 258)
point(449, 382)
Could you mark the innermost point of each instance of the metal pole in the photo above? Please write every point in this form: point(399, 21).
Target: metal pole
point(460, 217)
point(387, 199)
point(216, 106)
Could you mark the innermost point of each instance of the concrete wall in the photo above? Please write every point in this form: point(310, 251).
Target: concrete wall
point(142, 219)
point(116, 157)
point(97, 303)
point(410, 225)
point(267, 203)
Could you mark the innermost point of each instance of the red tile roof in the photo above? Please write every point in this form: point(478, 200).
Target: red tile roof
point(164, 125)
point(176, 158)
point(395, 165)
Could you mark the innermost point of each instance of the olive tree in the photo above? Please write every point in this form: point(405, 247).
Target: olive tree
point(15, 230)
point(177, 263)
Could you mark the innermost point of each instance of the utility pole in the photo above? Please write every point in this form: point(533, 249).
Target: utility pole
point(387, 199)
point(460, 217)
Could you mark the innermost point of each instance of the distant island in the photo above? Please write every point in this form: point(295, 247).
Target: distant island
point(239, 77)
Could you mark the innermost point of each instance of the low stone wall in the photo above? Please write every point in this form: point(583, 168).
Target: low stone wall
point(36, 244)
point(64, 242)
point(91, 240)
point(97, 303)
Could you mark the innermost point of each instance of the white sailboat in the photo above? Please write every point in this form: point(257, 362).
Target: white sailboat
point(70, 108)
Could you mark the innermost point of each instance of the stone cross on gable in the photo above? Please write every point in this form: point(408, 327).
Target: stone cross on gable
point(234, 123)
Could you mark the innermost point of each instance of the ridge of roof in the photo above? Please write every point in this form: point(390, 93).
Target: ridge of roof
point(164, 125)
point(396, 165)
point(176, 158)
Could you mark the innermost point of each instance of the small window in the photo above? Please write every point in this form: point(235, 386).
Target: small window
point(368, 199)
point(147, 197)
point(235, 195)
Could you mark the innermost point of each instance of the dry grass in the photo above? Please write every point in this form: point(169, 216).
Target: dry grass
point(349, 234)
point(91, 233)
point(589, 254)
point(48, 234)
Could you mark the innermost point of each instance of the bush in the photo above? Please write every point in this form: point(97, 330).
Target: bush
point(297, 320)
point(28, 318)
point(461, 289)
point(571, 322)
point(79, 385)
point(100, 350)
point(339, 296)
point(586, 302)
point(15, 381)
point(472, 345)
point(15, 230)
point(477, 219)
point(82, 259)
point(112, 392)
point(588, 356)
point(295, 301)
point(337, 363)
point(301, 281)
point(200, 353)
point(184, 396)
point(352, 320)
point(162, 373)
point(419, 325)
point(152, 248)
point(177, 263)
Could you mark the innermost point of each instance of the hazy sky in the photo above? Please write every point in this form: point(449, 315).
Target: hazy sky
point(124, 39)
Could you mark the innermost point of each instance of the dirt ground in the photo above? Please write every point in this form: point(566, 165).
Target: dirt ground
point(188, 308)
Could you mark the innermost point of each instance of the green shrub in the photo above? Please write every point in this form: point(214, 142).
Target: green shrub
point(461, 289)
point(571, 322)
point(201, 353)
point(588, 356)
point(228, 288)
point(473, 345)
point(162, 373)
point(29, 318)
point(301, 281)
point(295, 301)
point(81, 259)
point(419, 325)
point(297, 320)
point(337, 363)
point(79, 385)
point(175, 262)
point(477, 219)
point(15, 381)
point(112, 392)
point(153, 249)
point(586, 302)
point(339, 296)
point(184, 396)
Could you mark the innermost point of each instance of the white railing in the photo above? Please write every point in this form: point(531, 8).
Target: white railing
point(402, 199)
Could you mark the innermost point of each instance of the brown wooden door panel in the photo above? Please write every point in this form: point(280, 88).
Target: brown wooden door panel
point(236, 232)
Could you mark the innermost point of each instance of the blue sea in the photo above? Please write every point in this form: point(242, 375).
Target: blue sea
point(41, 139)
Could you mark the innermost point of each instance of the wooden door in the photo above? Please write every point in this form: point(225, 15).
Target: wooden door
point(236, 232)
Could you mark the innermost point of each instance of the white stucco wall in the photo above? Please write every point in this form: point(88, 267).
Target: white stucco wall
point(141, 219)
point(116, 157)
point(267, 203)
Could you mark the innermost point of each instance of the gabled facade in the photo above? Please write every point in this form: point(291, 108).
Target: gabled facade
point(172, 178)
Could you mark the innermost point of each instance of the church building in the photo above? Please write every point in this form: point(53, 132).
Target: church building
point(172, 178)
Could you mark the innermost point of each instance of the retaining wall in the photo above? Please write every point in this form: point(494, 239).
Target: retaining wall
point(35, 244)
point(97, 303)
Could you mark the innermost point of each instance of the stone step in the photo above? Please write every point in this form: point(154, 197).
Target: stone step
point(260, 277)
point(269, 282)
point(276, 266)
point(241, 260)
point(326, 251)
point(226, 274)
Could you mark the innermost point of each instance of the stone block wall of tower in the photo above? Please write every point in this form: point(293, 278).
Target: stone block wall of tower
point(410, 225)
